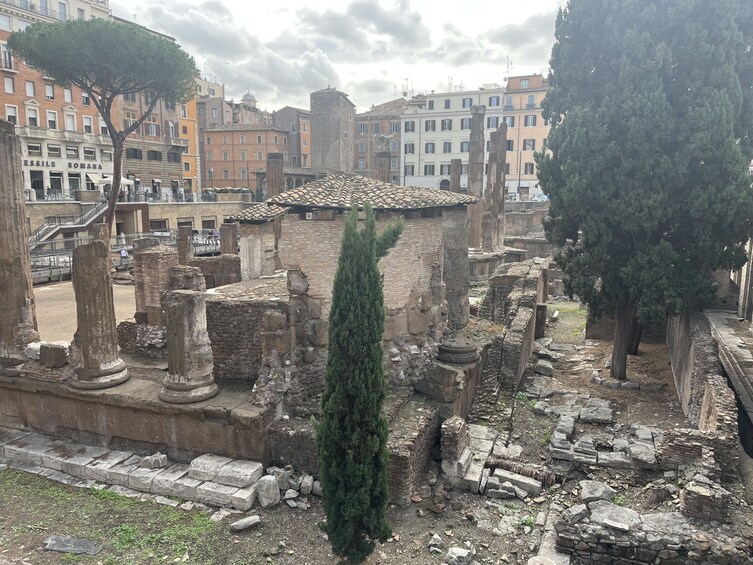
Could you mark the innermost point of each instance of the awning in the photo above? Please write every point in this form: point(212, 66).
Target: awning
point(107, 179)
point(95, 178)
point(157, 180)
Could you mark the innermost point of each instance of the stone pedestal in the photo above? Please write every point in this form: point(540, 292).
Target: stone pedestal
point(189, 352)
point(18, 323)
point(229, 239)
point(184, 244)
point(97, 364)
point(151, 275)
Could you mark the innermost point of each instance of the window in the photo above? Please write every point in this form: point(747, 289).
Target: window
point(492, 122)
point(68, 95)
point(244, 174)
point(225, 156)
point(362, 128)
point(410, 148)
point(70, 122)
point(129, 97)
point(446, 103)
point(510, 145)
point(361, 146)
point(187, 167)
point(210, 156)
point(10, 86)
point(103, 127)
point(49, 91)
point(488, 145)
point(429, 147)
point(225, 174)
point(464, 168)
point(431, 104)
point(53, 151)
point(90, 153)
point(494, 101)
point(130, 118)
point(30, 88)
point(524, 83)
point(410, 126)
point(361, 163)
point(428, 170)
point(11, 114)
point(224, 140)
point(209, 140)
point(52, 119)
point(529, 145)
point(345, 134)
point(509, 120)
point(508, 103)
point(184, 130)
point(154, 155)
point(507, 168)
point(259, 155)
point(151, 127)
point(81, 14)
point(134, 153)
point(430, 125)
point(71, 151)
point(211, 92)
point(7, 59)
point(183, 111)
point(467, 102)
point(528, 170)
point(34, 149)
point(243, 139)
point(107, 156)
point(85, 98)
point(214, 112)
point(393, 163)
point(276, 140)
point(444, 169)
point(408, 170)
point(208, 223)
point(447, 147)
point(530, 121)
point(531, 102)
point(87, 124)
point(393, 146)
point(465, 146)
point(465, 123)
point(62, 11)
point(446, 125)
point(173, 157)
point(32, 117)
point(244, 156)
point(210, 175)
point(157, 225)
point(394, 127)
point(200, 110)
point(258, 139)
point(5, 22)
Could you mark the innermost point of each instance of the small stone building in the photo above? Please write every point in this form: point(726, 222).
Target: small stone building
point(258, 234)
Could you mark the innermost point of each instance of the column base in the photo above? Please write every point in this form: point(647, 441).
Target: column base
point(184, 395)
point(88, 379)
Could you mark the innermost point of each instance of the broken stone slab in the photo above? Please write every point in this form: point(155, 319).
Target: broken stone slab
point(290, 494)
point(575, 514)
point(547, 355)
point(481, 448)
point(620, 445)
point(118, 474)
point(166, 501)
point(215, 493)
point(81, 456)
point(245, 524)
point(97, 469)
point(586, 458)
point(531, 486)
point(482, 432)
point(456, 470)
point(142, 478)
point(642, 454)
point(561, 347)
point(612, 516)
point(30, 448)
point(510, 452)
point(560, 441)
point(596, 411)
point(436, 541)
point(164, 482)
point(206, 467)
point(566, 425)
point(520, 493)
point(502, 490)
point(472, 479)
point(563, 454)
point(32, 350)
point(585, 445)
point(545, 342)
point(185, 488)
point(595, 490)
point(543, 367)
point(66, 544)
point(243, 499)
point(307, 484)
point(156, 461)
point(240, 473)
point(283, 475)
point(484, 479)
point(54, 354)
point(268, 491)
point(460, 556)
point(643, 433)
point(615, 460)
point(541, 407)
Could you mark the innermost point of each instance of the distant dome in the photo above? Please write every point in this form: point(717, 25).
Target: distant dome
point(248, 98)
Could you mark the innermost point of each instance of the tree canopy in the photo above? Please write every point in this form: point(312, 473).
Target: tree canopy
point(651, 107)
point(107, 60)
point(351, 439)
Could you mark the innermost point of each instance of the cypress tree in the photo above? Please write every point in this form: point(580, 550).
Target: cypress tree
point(351, 439)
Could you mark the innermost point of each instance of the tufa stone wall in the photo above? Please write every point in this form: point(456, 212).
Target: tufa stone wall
point(218, 271)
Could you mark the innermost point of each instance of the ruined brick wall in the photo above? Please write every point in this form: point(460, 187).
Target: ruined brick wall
point(234, 330)
point(712, 451)
point(257, 250)
point(520, 220)
point(694, 355)
point(218, 271)
point(151, 273)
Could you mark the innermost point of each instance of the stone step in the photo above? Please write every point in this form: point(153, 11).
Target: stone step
point(531, 486)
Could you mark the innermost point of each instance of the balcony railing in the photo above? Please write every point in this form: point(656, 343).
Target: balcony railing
point(177, 141)
point(32, 6)
point(8, 62)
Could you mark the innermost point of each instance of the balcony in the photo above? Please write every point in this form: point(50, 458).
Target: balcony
point(7, 62)
point(72, 136)
point(32, 6)
point(531, 106)
point(176, 141)
point(508, 108)
point(33, 132)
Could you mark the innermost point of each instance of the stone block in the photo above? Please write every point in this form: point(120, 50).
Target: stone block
point(118, 474)
point(32, 350)
point(595, 490)
point(141, 478)
point(615, 460)
point(481, 448)
point(215, 494)
point(575, 514)
point(97, 469)
point(206, 467)
point(531, 486)
point(563, 454)
point(455, 470)
point(76, 463)
point(643, 455)
point(612, 516)
point(243, 499)
point(30, 448)
point(245, 523)
point(596, 411)
point(156, 461)
point(164, 483)
point(185, 488)
point(472, 479)
point(54, 354)
point(268, 491)
point(543, 367)
point(239, 473)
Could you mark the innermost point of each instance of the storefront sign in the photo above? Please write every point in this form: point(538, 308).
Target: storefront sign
point(71, 164)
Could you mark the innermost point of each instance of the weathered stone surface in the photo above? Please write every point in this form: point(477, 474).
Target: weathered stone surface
point(307, 485)
point(543, 367)
point(30, 448)
point(243, 499)
point(472, 479)
point(53, 355)
point(282, 475)
point(531, 486)
point(97, 469)
point(575, 513)
point(75, 464)
point(118, 474)
point(141, 479)
point(206, 467)
point(185, 487)
point(615, 460)
point(459, 556)
point(66, 544)
point(164, 483)
point(612, 516)
point(239, 473)
point(595, 490)
point(268, 491)
point(642, 454)
point(245, 524)
point(596, 411)
point(156, 461)
point(215, 494)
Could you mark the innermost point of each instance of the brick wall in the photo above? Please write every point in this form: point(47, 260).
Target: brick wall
point(218, 271)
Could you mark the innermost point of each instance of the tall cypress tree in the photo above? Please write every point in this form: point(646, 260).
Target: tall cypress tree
point(351, 439)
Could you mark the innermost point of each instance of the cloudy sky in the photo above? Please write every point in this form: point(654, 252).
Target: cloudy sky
point(372, 49)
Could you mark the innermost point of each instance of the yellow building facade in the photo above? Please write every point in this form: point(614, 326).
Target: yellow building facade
point(189, 129)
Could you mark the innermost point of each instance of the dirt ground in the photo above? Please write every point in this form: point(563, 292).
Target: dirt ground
point(142, 532)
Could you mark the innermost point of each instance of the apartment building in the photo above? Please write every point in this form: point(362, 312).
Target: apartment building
point(233, 152)
point(380, 125)
point(66, 147)
point(526, 133)
point(332, 130)
point(188, 122)
point(436, 129)
point(297, 122)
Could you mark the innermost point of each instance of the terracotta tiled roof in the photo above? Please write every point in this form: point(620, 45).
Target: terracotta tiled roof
point(340, 191)
point(258, 213)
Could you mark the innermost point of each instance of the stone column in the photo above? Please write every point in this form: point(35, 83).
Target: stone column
point(101, 232)
point(190, 364)
point(18, 322)
point(229, 239)
point(382, 160)
point(476, 175)
point(185, 248)
point(456, 167)
point(456, 271)
point(275, 174)
point(97, 364)
point(493, 221)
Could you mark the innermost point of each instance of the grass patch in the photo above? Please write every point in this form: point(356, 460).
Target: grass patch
point(619, 500)
point(526, 521)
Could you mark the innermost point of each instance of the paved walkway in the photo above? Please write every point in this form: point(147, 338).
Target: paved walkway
point(56, 309)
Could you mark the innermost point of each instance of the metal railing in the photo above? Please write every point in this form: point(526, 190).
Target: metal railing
point(53, 224)
point(32, 6)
